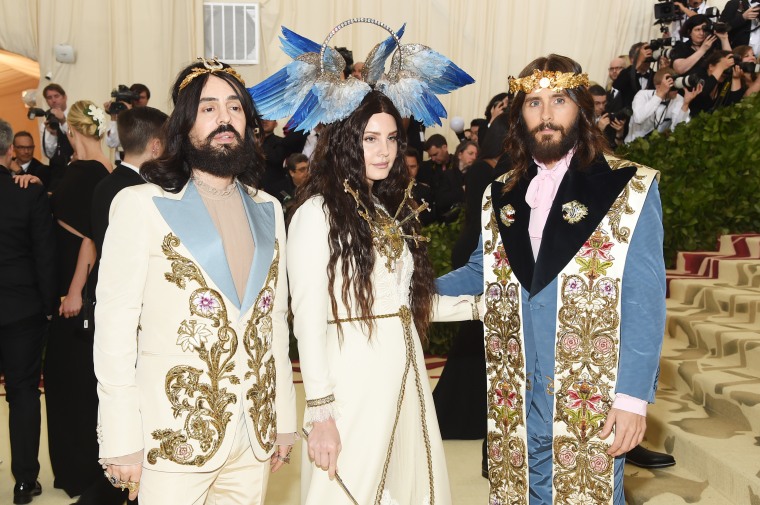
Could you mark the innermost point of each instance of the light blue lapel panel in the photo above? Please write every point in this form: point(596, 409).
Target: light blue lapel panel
point(261, 221)
point(190, 221)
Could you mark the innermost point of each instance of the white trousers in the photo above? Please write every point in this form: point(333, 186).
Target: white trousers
point(241, 480)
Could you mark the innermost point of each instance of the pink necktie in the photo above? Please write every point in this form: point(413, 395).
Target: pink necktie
point(539, 196)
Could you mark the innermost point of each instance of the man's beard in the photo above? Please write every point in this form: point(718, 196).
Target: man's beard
point(225, 160)
point(546, 150)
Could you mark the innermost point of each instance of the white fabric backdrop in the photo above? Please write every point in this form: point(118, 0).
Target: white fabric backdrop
point(148, 41)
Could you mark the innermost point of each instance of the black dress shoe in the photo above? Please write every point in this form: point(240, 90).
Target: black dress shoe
point(645, 458)
point(23, 492)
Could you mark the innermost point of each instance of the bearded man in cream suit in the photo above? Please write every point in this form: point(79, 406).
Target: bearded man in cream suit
point(197, 403)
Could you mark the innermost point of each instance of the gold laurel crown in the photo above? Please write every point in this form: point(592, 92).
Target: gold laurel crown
point(543, 79)
point(212, 66)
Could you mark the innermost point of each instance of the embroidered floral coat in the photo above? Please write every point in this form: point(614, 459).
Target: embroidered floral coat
point(179, 358)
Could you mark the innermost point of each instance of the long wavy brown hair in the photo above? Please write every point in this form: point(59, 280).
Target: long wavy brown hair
point(339, 156)
point(591, 142)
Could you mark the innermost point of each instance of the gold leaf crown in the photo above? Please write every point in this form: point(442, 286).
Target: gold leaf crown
point(212, 66)
point(543, 79)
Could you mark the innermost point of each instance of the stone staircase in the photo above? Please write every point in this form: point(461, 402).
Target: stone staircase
point(707, 412)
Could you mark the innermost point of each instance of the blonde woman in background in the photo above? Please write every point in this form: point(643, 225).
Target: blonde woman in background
point(70, 393)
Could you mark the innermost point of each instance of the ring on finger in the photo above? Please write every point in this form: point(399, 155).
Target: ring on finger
point(111, 478)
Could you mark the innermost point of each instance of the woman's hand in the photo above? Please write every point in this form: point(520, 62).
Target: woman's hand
point(324, 446)
point(280, 457)
point(71, 305)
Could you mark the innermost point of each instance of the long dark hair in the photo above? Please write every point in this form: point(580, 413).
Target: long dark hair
point(171, 170)
point(591, 142)
point(339, 156)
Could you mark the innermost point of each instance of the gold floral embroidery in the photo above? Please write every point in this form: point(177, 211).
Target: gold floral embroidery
point(505, 366)
point(586, 359)
point(493, 228)
point(257, 340)
point(621, 206)
point(204, 404)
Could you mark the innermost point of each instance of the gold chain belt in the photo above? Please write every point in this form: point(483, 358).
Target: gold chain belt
point(403, 312)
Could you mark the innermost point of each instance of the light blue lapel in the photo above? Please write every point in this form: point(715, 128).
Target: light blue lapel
point(261, 221)
point(190, 221)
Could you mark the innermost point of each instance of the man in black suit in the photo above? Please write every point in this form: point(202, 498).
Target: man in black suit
point(54, 133)
point(634, 78)
point(27, 295)
point(743, 18)
point(25, 162)
point(139, 130)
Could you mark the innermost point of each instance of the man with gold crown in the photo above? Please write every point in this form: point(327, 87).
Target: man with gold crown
point(197, 403)
point(571, 268)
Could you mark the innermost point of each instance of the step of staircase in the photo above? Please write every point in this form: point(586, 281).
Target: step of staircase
point(674, 485)
point(714, 453)
point(707, 413)
point(725, 385)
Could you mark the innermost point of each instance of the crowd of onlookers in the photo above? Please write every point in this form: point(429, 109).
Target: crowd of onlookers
point(705, 60)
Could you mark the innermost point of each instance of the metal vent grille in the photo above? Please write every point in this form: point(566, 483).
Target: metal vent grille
point(231, 32)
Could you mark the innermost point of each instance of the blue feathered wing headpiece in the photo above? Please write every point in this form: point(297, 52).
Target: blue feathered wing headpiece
point(311, 90)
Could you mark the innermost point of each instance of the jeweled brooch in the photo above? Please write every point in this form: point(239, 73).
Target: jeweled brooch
point(574, 211)
point(507, 215)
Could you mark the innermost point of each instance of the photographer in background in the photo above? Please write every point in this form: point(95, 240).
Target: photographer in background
point(687, 9)
point(691, 55)
point(53, 132)
point(612, 127)
point(632, 79)
point(137, 95)
point(743, 19)
point(661, 108)
point(723, 84)
point(750, 69)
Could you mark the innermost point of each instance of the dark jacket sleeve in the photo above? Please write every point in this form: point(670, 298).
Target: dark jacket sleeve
point(43, 246)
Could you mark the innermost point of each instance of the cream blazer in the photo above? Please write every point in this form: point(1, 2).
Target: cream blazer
point(178, 357)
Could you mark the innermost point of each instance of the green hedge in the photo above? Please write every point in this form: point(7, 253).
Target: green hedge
point(442, 239)
point(709, 183)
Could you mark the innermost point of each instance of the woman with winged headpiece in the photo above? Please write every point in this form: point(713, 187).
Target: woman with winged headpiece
point(362, 286)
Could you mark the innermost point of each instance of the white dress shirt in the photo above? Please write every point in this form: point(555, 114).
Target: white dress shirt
point(50, 141)
point(650, 113)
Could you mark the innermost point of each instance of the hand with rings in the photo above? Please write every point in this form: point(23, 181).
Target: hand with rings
point(280, 457)
point(125, 477)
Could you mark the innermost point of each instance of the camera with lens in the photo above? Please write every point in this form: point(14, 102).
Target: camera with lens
point(688, 82)
point(121, 96)
point(656, 44)
point(749, 67)
point(50, 119)
point(720, 27)
point(660, 47)
point(666, 11)
point(623, 114)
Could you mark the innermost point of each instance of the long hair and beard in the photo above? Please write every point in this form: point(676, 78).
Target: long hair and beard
point(522, 145)
point(222, 160)
point(339, 157)
point(544, 149)
point(173, 168)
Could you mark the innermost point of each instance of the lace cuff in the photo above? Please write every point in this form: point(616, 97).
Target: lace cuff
point(320, 409)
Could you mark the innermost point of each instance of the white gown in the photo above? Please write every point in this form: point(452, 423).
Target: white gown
point(392, 451)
